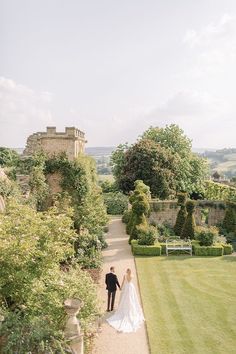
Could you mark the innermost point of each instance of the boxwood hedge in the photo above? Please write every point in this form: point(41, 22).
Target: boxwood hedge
point(141, 250)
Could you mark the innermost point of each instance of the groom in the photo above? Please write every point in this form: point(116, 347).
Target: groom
point(111, 283)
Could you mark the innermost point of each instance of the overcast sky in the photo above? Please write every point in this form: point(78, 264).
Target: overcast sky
point(114, 67)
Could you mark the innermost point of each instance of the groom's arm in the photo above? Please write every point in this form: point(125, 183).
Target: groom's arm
point(106, 280)
point(117, 283)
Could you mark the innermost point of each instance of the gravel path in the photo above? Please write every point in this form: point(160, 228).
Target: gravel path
point(119, 255)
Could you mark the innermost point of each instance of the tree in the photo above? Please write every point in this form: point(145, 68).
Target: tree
point(191, 169)
point(151, 163)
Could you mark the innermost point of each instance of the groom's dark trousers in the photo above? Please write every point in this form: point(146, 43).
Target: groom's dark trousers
point(111, 283)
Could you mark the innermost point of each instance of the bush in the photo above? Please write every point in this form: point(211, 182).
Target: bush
point(229, 222)
point(116, 203)
point(142, 250)
point(180, 220)
point(33, 287)
point(164, 231)
point(189, 225)
point(205, 235)
point(216, 250)
point(228, 249)
point(126, 216)
point(147, 236)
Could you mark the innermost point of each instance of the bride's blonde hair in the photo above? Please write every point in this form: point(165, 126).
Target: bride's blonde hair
point(128, 272)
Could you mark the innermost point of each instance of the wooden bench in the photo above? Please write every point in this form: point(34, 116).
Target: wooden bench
point(177, 244)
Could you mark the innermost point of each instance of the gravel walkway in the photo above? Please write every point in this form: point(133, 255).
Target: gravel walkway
point(119, 255)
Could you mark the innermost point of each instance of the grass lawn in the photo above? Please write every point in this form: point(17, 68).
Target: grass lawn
point(189, 303)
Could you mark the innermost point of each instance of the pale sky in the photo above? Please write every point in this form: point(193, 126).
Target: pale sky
point(112, 68)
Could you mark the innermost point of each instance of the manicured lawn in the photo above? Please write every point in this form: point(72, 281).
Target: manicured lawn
point(189, 303)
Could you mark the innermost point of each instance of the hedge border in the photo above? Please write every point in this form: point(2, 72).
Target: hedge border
point(213, 251)
point(143, 250)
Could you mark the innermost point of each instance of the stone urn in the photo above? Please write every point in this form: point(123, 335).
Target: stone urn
point(72, 330)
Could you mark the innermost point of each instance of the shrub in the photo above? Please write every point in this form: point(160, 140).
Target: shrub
point(147, 236)
point(33, 284)
point(126, 216)
point(143, 250)
point(228, 249)
point(116, 203)
point(189, 225)
point(229, 222)
point(140, 210)
point(205, 235)
point(180, 220)
point(216, 250)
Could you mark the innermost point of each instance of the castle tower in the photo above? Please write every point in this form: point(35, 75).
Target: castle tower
point(72, 142)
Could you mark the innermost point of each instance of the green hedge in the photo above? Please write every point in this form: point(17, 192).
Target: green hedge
point(140, 250)
point(228, 249)
point(216, 250)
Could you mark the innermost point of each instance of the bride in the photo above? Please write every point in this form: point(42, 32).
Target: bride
point(129, 315)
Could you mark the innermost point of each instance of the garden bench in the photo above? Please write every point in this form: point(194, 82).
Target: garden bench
point(177, 244)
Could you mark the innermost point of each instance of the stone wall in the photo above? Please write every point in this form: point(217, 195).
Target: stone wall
point(72, 142)
point(165, 211)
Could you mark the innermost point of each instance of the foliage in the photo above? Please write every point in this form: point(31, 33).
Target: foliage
point(144, 250)
point(9, 188)
point(108, 186)
point(182, 214)
point(8, 157)
point(140, 210)
point(229, 222)
point(79, 180)
point(147, 235)
point(191, 170)
point(116, 203)
point(118, 161)
point(228, 249)
point(216, 250)
point(88, 249)
point(126, 216)
point(151, 163)
point(38, 186)
point(206, 235)
point(218, 191)
point(32, 284)
point(164, 231)
point(188, 230)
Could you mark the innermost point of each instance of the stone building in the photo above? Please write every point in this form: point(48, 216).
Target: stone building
point(72, 141)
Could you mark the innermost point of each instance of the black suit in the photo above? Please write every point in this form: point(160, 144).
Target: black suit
point(111, 283)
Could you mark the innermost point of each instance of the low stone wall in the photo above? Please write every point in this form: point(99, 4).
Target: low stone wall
point(165, 211)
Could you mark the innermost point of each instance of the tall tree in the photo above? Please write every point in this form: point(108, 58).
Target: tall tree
point(192, 169)
point(151, 163)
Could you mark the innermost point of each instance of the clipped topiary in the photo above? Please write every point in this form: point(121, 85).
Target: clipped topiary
point(140, 210)
point(188, 230)
point(182, 214)
point(229, 222)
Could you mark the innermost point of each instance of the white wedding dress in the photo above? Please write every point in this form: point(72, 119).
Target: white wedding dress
point(129, 315)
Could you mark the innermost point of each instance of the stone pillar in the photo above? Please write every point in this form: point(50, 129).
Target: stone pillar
point(72, 330)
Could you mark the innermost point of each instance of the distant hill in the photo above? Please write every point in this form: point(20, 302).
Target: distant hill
point(222, 161)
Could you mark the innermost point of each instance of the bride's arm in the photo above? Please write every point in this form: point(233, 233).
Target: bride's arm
point(122, 283)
